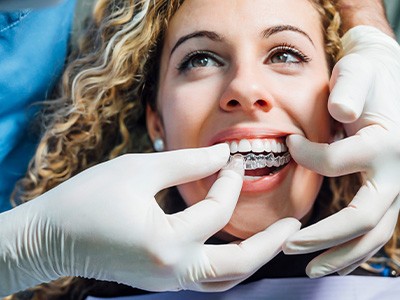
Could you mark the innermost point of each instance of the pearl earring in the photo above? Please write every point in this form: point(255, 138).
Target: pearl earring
point(158, 144)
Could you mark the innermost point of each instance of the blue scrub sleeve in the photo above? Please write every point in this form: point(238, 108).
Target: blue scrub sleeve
point(33, 47)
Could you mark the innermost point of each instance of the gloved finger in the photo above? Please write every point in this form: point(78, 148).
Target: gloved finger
point(238, 261)
point(220, 286)
point(172, 168)
point(365, 211)
point(350, 82)
point(349, 253)
point(346, 156)
point(217, 285)
point(205, 218)
point(351, 268)
point(319, 269)
point(248, 265)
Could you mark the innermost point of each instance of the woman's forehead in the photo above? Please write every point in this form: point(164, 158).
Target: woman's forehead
point(230, 16)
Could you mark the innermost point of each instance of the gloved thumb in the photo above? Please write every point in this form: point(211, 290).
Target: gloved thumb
point(172, 168)
point(323, 158)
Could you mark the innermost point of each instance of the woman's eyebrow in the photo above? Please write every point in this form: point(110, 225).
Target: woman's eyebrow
point(202, 33)
point(216, 37)
point(279, 28)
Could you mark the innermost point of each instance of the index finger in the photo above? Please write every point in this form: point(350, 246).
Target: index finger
point(210, 215)
point(240, 260)
point(363, 213)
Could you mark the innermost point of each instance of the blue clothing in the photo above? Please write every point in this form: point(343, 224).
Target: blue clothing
point(33, 46)
point(393, 15)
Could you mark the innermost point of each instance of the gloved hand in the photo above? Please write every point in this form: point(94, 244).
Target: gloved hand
point(365, 95)
point(104, 223)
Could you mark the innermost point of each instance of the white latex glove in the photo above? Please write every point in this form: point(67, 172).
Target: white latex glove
point(105, 223)
point(365, 94)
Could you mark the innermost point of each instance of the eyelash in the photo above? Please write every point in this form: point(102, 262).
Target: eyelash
point(183, 65)
point(292, 50)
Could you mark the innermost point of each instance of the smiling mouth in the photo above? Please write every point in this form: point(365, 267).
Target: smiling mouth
point(262, 157)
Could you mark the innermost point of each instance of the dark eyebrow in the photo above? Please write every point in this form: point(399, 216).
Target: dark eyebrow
point(203, 33)
point(279, 28)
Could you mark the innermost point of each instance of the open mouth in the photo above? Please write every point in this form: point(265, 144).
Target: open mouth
point(262, 157)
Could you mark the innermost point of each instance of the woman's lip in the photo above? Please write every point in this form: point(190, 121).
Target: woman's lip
point(267, 183)
point(246, 133)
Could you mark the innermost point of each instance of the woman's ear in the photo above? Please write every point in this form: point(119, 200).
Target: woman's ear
point(154, 125)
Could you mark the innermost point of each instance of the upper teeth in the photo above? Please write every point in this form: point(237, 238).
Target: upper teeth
point(257, 146)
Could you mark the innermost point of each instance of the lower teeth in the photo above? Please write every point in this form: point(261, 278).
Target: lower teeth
point(253, 161)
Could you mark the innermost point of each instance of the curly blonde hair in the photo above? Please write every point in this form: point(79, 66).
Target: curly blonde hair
point(109, 80)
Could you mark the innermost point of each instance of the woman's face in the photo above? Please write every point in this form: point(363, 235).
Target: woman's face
point(249, 73)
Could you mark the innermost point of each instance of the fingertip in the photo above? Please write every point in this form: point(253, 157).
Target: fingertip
point(313, 275)
point(316, 271)
point(235, 164)
point(343, 112)
point(346, 102)
point(289, 247)
point(291, 225)
point(184, 165)
point(215, 156)
point(292, 222)
point(294, 140)
point(224, 147)
point(220, 151)
point(300, 243)
point(293, 246)
point(297, 144)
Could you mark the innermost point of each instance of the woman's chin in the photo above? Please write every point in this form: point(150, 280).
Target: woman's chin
point(233, 232)
point(284, 194)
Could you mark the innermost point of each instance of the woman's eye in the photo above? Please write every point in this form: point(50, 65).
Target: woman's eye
point(198, 60)
point(201, 61)
point(287, 54)
point(284, 57)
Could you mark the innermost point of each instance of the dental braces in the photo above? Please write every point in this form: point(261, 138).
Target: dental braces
point(253, 161)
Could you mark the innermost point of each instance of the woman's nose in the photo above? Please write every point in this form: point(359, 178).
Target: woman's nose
point(246, 91)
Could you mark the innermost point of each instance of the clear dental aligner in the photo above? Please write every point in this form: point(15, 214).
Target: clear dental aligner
point(252, 161)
